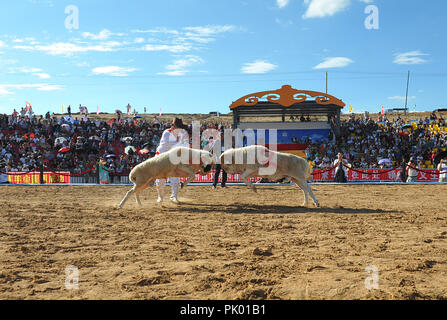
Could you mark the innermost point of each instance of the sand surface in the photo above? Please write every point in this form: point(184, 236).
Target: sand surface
point(224, 244)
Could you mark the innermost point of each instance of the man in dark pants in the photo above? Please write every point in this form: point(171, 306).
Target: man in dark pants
point(341, 172)
point(211, 147)
point(218, 168)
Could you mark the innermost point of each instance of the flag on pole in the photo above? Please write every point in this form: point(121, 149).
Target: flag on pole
point(28, 106)
point(382, 113)
point(350, 108)
point(160, 111)
point(97, 110)
point(63, 107)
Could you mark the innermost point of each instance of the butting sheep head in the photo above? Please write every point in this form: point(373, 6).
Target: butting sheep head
point(206, 162)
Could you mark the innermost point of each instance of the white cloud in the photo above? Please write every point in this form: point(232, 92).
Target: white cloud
point(103, 35)
point(39, 86)
point(210, 30)
point(68, 49)
point(185, 62)
point(413, 57)
point(334, 62)
point(179, 66)
point(49, 87)
point(83, 64)
point(282, 3)
point(174, 73)
point(176, 48)
point(34, 71)
point(2, 44)
point(401, 98)
point(259, 66)
point(157, 30)
point(4, 91)
point(113, 71)
point(204, 34)
point(324, 8)
point(42, 75)
point(30, 70)
point(138, 40)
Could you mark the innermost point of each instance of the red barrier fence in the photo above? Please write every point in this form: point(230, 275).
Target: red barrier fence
point(377, 175)
point(326, 175)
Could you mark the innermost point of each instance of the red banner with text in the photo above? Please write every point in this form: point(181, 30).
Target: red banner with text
point(34, 178)
point(378, 175)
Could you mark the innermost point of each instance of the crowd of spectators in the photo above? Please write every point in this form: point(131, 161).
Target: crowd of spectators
point(369, 144)
point(75, 144)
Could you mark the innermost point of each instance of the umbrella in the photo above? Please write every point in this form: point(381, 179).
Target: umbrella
point(128, 148)
point(94, 138)
point(60, 140)
point(110, 156)
point(69, 118)
point(138, 117)
point(65, 126)
point(441, 155)
point(383, 161)
point(407, 126)
point(64, 149)
point(127, 139)
point(143, 151)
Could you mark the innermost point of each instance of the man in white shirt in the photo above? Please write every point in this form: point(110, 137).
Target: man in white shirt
point(175, 136)
point(442, 168)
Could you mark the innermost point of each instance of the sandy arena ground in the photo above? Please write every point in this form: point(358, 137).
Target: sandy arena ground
point(224, 244)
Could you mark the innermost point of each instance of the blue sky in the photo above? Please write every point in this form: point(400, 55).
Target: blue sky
point(197, 56)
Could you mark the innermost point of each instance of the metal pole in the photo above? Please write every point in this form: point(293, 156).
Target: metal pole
point(406, 97)
point(326, 82)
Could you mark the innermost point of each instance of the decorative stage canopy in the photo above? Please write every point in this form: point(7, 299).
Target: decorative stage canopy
point(287, 102)
point(286, 97)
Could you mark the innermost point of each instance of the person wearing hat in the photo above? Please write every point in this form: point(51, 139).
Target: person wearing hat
point(412, 170)
point(175, 136)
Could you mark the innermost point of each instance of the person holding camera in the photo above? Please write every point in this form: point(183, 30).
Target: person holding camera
point(442, 168)
point(341, 171)
point(412, 170)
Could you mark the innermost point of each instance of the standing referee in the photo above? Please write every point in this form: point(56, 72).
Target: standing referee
point(218, 166)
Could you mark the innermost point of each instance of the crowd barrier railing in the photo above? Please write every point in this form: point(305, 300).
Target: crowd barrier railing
point(46, 175)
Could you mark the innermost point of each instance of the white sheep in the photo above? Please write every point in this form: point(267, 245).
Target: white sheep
point(258, 161)
point(177, 162)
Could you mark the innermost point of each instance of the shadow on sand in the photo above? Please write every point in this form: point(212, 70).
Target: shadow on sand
point(277, 209)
